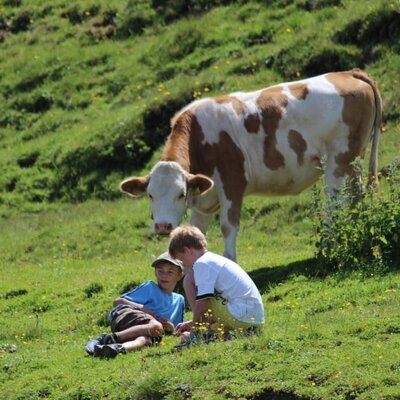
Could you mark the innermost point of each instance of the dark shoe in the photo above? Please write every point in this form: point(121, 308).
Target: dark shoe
point(156, 339)
point(92, 343)
point(109, 339)
point(109, 350)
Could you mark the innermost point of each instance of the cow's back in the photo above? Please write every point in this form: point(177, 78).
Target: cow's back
point(272, 141)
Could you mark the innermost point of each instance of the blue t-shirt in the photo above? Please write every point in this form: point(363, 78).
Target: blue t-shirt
point(162, 304)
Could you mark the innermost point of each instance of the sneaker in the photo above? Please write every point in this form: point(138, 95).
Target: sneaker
point(109, 339)
point(109, 350)
point(92, 343)
point(156, 339)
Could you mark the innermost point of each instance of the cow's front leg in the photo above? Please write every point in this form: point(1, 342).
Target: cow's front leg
point(203, 209)
point(202, 221)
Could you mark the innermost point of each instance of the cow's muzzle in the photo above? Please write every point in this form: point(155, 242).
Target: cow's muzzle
point(163, 228)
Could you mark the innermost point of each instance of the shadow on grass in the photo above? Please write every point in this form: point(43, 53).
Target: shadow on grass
point(265, 277)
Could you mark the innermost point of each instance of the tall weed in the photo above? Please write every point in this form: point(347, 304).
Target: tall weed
point(360, 236)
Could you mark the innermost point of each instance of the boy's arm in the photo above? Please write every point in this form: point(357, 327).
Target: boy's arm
point(200, 312)
point(121, 300)
point(167, 325)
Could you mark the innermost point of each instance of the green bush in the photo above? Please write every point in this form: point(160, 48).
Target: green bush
point(364, 236)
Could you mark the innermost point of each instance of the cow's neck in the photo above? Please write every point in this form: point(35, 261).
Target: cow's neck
point(177, 146)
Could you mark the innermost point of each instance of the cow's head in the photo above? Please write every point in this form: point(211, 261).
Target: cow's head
point(168, 187)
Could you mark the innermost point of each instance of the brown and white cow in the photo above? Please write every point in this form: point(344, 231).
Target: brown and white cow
point(268, 142)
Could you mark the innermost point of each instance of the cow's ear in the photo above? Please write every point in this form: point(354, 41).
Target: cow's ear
point(199, 184)
point(135, 186)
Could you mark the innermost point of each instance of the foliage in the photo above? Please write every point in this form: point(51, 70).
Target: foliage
point(363, 235)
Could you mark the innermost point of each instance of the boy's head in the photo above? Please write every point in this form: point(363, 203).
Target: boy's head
point(167, 258)
point(168, 271)
point(184, 238)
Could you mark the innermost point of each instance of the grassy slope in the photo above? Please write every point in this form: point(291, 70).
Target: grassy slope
point(79, 111)
point(330, 338)
point(324, 338)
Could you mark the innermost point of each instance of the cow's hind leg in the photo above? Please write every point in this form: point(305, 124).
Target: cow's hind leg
point(230, 223)
point(230, 233)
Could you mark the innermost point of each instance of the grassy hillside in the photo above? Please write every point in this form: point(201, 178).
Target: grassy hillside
point(87, 89)
point(86, 93)
point(324, 338)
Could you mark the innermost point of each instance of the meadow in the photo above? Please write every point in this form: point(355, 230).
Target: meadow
point(86, 93)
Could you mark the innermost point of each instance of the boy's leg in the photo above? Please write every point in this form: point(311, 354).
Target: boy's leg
point(223, 320)
point(151, 329)
point(137, 344)
point(112, 350)
point(129, 323)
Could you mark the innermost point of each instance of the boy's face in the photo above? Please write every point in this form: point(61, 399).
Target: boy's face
point(187, 257)
point(167, 275)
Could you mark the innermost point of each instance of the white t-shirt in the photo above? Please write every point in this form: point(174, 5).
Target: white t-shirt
point(218, 276)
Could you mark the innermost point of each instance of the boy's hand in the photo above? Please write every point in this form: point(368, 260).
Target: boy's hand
point(184, 327)
point(167, 325)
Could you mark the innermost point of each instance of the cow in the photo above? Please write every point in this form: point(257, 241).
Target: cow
point(270, 142)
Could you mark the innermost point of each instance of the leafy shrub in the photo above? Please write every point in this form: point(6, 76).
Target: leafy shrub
point(364, 236)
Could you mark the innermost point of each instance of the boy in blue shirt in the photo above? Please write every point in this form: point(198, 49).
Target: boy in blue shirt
point(141, 316)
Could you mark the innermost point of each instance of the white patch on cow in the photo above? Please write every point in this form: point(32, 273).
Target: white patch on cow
point(167, 192)
point(214, 118)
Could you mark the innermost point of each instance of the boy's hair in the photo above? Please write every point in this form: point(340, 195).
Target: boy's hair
point(186, 236)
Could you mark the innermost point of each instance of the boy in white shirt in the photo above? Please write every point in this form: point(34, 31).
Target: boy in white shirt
point(219, 291)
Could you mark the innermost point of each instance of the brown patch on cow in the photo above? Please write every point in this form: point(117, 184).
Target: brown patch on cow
point(239, 107)
point(271, 102)
point(187, 137)
point(298, 145)
point(359, 105)
point(177, 146)
point(315, 158)
point(299, 90)
point(252, 123)
point(231, 169)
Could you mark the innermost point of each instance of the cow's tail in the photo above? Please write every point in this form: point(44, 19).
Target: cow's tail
point(376, 129)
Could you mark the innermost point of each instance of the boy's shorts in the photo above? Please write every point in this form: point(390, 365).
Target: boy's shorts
point(125, 317)
point(222, 316)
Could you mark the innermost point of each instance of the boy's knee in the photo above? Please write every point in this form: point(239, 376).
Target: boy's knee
point(155, 328)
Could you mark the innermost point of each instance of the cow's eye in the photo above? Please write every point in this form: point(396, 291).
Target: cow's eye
point(181, 196)
point(150, 196)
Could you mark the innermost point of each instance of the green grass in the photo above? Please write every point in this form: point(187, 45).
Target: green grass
point(80, 111)
point(330, 338)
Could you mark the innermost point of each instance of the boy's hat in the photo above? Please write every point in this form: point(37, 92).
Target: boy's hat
point(167, 257)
